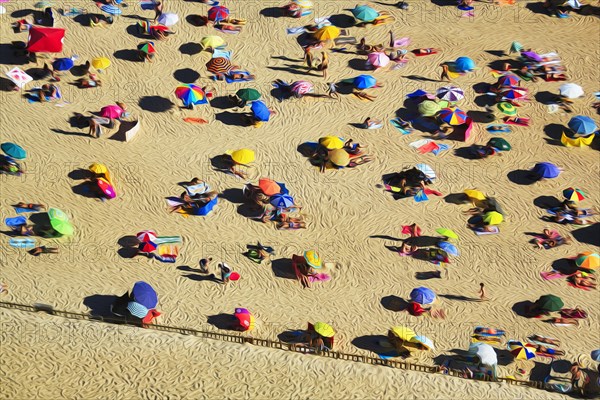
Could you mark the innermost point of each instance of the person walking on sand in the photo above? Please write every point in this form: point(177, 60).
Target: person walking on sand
point(225, 273)
point(445, 73)
point(324, 64)
point(204, 264)
point(481, 293)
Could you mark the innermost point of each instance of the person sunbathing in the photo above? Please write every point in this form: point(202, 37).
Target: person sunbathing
point(367, 48)
point(23, 230)
point(359, 160)
point(352, 148)
point(31, 206)
point(236, 75)
point(43, 250)
point(563, 321)
point(543, 339)
point(291, 223)
point(548, 350)
point(583, 281)
point(549, 239)
point(371, 123)
point(444, 131)
point(91, 82)
point(23, 24)
point(579, 378)
point(364, 95)
point(484, 151)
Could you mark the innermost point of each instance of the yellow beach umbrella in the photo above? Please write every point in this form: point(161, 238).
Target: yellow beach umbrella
point(98, 168)
point(403, 333)
point(100, 63)
point(475, 194)
point(493, 218)
point(313, 259)
point(212, 42)
point(588, 260)
point(331, 142)
point(324, 329)
point(242, 156)
point(576, 142)
point(339, 157)
point(327, 33)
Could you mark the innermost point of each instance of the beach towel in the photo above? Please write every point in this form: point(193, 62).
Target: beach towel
point(440, 147)
point(345, 40)
point(220, 53)
point(295, 31)
point(402, 42)
point(22, 243)
point(468, 14)
point(397, 124)
point(322, 21)
point(230, 31)
point(519, 121)
point(228, 79)
point(494, 231)
point(498, 128)
point(486, 339)
point(420, 196)
point(193, 120)
point(480, 330)
point(167, 239)
point(167, 253)
point(418, 54)
point(21, 210)
point(15, 222)
point(552, 275)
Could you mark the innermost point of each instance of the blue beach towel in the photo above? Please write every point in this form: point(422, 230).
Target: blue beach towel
point(22, 243)
point(230, 80)
point(15, 222)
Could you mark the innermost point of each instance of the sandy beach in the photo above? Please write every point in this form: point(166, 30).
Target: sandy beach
point(350, 218)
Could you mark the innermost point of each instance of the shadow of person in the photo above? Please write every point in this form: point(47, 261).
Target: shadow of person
point(282, 268)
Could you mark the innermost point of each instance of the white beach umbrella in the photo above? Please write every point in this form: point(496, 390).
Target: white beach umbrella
point(485, 352)
point(571, 90)
point(427, 170)
point(168, 19)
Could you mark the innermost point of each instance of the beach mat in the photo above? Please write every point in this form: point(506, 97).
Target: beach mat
point(493, 232)
point(22, 243)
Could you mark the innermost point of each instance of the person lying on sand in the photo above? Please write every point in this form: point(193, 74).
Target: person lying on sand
point(367, 48)
point(43, 250)
point(288, 223)
point(3, 289)
point(370, 123)
point(31, 206)
point(364, 95)
point(91, 82)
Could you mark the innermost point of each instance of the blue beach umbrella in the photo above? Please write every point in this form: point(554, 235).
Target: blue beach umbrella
point(422, 295)
point(464, 64)
point(62, 64)
point(260, 111)
point(282, 200)
point(144, 294)
point(364, 81)
point(364, 13)
point(546, 170)
point(13, 150)
point(449, 248)
point(582, 125)
point(110, 9)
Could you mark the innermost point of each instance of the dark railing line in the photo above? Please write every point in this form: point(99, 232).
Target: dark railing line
point(257, 342)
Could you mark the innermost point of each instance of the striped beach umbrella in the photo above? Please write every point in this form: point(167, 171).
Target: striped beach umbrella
point(513, 93)
point(190, 94)
point(429, 108)
point(168, 19)
point(508, 80)
point(453, 116)
point(507, 108)
point(218, 13)
point(146, 236)
point(521, 351)
point(573, 194)
point(450, 93)
point(300, 88)
point(137, 310)
point(219, 65)
point(588, 260)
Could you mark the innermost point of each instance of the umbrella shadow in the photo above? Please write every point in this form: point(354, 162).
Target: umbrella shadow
point(292, 336)
point(481, 117)
point(38, 73)
point(282, 268)
point(420, 78)
point(484, 100)
point(521, 177)
point(456, 198)
point(233, 195)
point(273, 12)
point(307, 149)
point(394, 303)
point(546, 97)
point(385, 237)
point(128, 55)
point(499, 64)
point(100, 304)
point(222, 162)
point(359, 64)
point(63, 132)
point(554, 133)
point(232, 119)
point(468, 152)
point(129, 246)
point(223, 321)
point(190, 48)
point(294, 69)
point(564, 266)
point(342, 20)
point(222, 103)
point(497, 53)
point(426, 275)
point(86, 189)
point(589, 234)
point(372, 343)
point(10, 56)
point(195, 20)
point(523, 308)
point(186, 75)
point(80, 174)
point(80, 70)
point(155, 104)
point(547, 202)
point(537, 8)
point(482, 87)
point(6, 85)
point(134, 30)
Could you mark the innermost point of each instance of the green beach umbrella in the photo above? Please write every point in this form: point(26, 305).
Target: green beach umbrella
point(429, 108)
point(500, 144)
point(507, 108)
point(549, 302)
point(493, 218)
point(364, 13)
point(449, 233)
point(42, 4)
point(248, 94)
point(60, 221)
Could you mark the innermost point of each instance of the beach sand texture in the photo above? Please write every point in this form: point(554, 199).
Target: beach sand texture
point(350, 219)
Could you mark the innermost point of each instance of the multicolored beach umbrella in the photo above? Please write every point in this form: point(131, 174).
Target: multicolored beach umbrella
point(521, 351)
point(453, 116)
point(588, 260)
point(450, 93)
point(218, 13)
point(219, 65)
point(147, 47)
point(190, 94)
point(574, 194)
point(508, 80)
point(507, 108)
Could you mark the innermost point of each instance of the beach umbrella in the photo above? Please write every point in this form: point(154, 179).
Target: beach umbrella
point(100, 63)
point(580, 141)
point(19, 77)
point(449, 248)
point(588, 260)
point(582, 125)
point(168, 19)
point(508, 80)
point(2, 9)
point(493, 218)
point(243, 156)
point(424, 341)
point(45, 40)
point(260, 111)
point(282, 200)
point(313, 259)
point(146, 236)
point(427, 170)
point(144, 294)
point(573, 194)
point(137, 310)
point(484, 352)
point(147, 47)
point(219, 65)
point(549, 302)
point(106, 188)
point(42, 4)
point(475, 194)
point(422, 295)
point(450, 93)
point(513, 93)
point(570, 90)
point(98, 169)
point(269, 186)
point(218, 13)
point(464, 64)
point(596, 355)
point(190, 94)
point(339, 157)
point(328, 32)
point(245, 318)
point(300, 88)
point(211, 41)
point(378, 59)
point(546, 170)
point(62, 64)
point(323, 329)
point(13, 150)
point(60, 222)
point(515, 47)
point(110, 9)
point(429, 108)
point(331, 142)
point(306, 4)
point(449, 233)
point(403, 333)
point(364, 81)
point(364, 13)
point(521, 351)
point(248, 94)
point(112, 111)
point(499, 143)
point(453, 116)
point(148, 247)
point(507, 108)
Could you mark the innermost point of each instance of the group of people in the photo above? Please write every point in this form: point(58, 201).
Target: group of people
point(323, 156)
